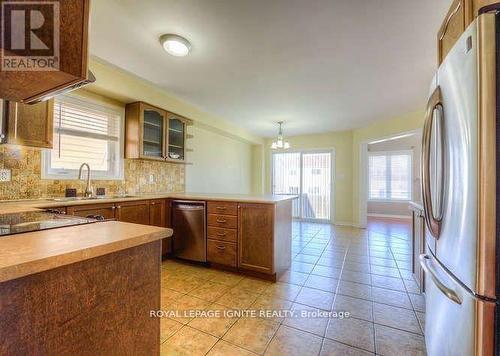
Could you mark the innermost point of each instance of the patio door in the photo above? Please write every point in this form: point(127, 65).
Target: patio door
point(308, 175)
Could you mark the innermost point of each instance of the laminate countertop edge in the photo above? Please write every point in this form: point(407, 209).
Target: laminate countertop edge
point(33, 252)
point(16, 206)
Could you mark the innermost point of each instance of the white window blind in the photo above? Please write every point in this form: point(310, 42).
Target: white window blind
point(390, 176)
point(85, 131)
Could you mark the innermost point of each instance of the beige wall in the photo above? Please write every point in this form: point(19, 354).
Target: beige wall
point(378, 130)
point(125, 87)
point(220, 163)
point(222, 156)
point(347, 154)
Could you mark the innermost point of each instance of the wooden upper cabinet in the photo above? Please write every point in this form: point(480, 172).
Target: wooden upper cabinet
point(453, 26)
point(30, 125)
point(153, 133)
point(478, 4)
point(176, 143)
point(255, 237)
point(145, 131)
point(459, 17)
point(157, 213)
point(72, 52)
point(136, 212)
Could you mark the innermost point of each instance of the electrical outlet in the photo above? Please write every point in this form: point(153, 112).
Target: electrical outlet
point(151, 178)
point(4, 175)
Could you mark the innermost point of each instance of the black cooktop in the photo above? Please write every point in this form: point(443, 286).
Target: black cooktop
point(17, 223)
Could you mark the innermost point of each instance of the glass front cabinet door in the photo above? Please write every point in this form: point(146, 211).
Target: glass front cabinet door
point(176, 137)
point(153, 132)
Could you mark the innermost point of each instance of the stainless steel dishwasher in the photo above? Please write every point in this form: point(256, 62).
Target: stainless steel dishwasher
point(189, 225)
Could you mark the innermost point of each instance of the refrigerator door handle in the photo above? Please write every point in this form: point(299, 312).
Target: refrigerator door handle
point(447, 291)
point(433, 223)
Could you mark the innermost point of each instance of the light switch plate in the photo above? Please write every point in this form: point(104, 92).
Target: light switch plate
point(4, 175)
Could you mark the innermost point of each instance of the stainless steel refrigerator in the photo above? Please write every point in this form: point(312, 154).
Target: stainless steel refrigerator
point(459, 186)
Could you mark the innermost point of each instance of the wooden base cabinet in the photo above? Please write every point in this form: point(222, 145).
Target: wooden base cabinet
point(255, 237)
point(146, 212)
point(222, 229)
point(107, 211)
point(157, 213)
point(136, 212)
point(264, 237)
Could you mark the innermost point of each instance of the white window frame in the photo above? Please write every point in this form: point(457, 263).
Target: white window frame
point(388, 181)
point(117, 173)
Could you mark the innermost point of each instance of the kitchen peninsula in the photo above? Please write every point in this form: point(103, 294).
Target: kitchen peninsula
point(250, 234)
point(85, 289)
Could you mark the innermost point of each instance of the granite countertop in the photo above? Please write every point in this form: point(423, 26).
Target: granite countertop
point(14, 206)
point(33, 252)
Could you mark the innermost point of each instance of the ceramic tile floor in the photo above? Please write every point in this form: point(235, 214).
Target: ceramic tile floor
point(365, 272)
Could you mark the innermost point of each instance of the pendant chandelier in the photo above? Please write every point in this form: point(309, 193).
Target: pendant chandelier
point(280, 143)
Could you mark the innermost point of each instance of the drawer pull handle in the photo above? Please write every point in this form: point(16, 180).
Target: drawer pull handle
point(220, 208)
point(221, 234)
point(222, 221)
point(221, 247)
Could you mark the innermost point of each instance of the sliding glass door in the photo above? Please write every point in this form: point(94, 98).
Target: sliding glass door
point(286, 176)
point(308, 175)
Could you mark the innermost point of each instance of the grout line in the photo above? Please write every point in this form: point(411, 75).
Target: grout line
point(347, 249)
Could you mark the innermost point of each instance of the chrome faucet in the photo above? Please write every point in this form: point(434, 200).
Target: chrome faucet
point(88, 188)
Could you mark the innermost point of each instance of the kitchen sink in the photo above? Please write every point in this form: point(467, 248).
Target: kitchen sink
point(72, 198)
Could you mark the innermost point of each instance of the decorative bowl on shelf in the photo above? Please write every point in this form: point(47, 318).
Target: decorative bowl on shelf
point(174, 155)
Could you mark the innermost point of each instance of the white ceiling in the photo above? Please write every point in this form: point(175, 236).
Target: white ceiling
point(319, 65)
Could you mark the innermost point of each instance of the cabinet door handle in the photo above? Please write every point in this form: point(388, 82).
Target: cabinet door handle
point(118, 207)
point(220, 208)
point(153, 203)
point(113, 207)
point(221, 234)
point(221, 247)
point(221, 221)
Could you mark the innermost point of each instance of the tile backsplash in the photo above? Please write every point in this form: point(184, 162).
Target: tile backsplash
point(26, 182)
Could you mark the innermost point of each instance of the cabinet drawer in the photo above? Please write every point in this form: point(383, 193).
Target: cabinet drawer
point(221, 252)
point(219, 233)
point(222, 207)
point(226, 221)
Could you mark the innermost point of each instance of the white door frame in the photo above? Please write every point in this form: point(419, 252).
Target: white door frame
point(330, 150)
point(363, 171)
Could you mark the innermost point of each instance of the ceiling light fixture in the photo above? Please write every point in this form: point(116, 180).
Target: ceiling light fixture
point(280, 143)
point(175, 45)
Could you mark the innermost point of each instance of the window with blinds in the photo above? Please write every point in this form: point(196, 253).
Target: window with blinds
point(390, 176)
point(85, 131)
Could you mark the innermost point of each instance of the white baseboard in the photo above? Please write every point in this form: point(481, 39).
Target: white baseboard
point(389, 216)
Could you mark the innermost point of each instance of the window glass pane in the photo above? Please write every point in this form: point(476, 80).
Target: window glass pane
point(400, 177)
point(76, 150)
point(377, 177)
point(84, 131)
point(286, 177)
point(316, 185)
